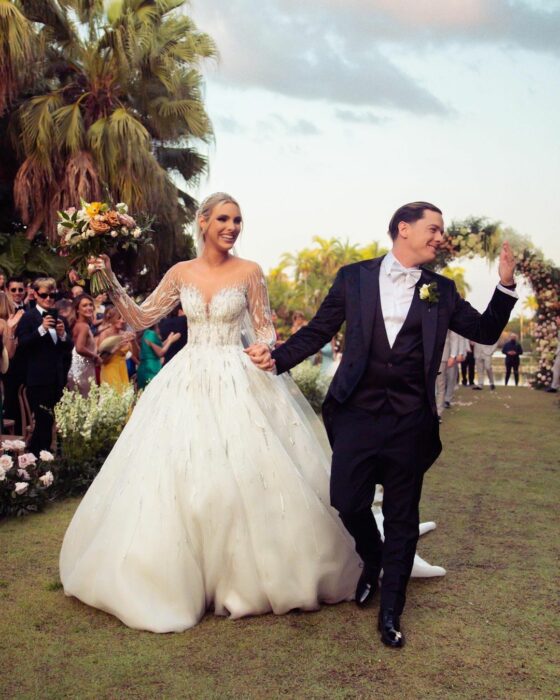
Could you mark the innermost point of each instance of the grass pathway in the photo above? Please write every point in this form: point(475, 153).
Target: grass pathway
point(486, 630)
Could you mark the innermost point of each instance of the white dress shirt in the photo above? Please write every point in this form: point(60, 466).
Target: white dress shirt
point(43, 331)
point(396, 294)
point(397, 291)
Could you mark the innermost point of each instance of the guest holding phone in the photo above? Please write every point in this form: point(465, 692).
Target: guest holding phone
point(44, 340)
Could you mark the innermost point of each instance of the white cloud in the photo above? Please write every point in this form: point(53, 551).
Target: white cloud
point(344, 51)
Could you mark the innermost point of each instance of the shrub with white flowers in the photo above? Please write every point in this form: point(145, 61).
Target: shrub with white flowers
point(312, 384)
point(89, 427)
point(25, 480)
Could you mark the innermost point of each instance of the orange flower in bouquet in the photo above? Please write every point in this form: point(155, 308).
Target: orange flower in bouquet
point(94, 229)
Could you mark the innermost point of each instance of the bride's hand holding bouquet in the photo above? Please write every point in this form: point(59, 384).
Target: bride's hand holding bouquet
point(89, 233)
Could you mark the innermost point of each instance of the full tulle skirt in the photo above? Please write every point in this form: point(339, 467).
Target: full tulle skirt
point(215, 496)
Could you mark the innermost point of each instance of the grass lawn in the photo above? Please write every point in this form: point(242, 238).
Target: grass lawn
point(485, 631)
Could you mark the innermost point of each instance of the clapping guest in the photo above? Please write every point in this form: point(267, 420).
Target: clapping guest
point(8, 344)
point(44, 339)
point(84, 354)
point(113, 345)
point(512, 351)
point(152, 352)
point(176, 322)
point(16, 290)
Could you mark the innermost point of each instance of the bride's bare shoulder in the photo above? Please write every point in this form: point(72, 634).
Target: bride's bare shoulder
point(248, 266)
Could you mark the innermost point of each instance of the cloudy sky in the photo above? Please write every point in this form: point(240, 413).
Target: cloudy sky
point(329, 114)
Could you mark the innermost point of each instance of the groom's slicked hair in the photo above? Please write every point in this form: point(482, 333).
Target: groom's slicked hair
point(410, 213)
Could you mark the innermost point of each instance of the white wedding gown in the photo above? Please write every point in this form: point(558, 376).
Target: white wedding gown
point(216, 494)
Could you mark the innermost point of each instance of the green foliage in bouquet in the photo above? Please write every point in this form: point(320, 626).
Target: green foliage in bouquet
point(312, 384)
point(88, 428)
point(25, 480)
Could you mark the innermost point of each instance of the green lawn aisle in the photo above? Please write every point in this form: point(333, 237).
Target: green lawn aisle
point(486, 630)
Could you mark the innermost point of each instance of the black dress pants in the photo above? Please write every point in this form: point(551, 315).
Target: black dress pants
point(395, 451)
point(42, 400)
point(512, 364)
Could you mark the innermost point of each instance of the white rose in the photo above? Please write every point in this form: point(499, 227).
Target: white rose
point(46, 456)
point(2, 474)
point(136, 233)
point(21, 487)
point(13, 445)
point(424, 291)
point(46, 479)
point(114, 234)
point(6, 462)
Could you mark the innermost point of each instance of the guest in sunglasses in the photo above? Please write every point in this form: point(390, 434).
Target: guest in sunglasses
point(45, 340)
point(15, 376)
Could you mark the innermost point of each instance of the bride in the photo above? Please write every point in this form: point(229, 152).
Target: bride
point(216, 494)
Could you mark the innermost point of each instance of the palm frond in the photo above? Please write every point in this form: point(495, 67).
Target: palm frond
point(81, 180)
point(16, 51)
point(69, 128)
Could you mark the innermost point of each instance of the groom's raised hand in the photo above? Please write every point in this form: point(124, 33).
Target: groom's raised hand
point(260, 356)
point(507, 265)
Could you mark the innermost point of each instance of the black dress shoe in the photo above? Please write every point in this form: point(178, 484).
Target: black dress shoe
point(390, 628)
point(367, 586)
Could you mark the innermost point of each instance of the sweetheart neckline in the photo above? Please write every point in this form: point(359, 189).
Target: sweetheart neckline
point(208, 303)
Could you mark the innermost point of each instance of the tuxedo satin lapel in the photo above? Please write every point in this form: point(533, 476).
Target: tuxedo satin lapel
point(369, 292)
point(429, 322)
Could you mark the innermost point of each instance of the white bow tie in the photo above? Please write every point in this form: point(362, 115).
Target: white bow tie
point(410, 275)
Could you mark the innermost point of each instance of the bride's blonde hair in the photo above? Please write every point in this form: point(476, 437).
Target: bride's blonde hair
point(205, 210)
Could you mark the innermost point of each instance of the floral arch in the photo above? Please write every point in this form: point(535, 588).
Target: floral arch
point(477, 237)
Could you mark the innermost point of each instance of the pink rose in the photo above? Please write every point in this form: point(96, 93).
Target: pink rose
point(21, 487)
point(6, 462)
point(47, 479)
point(45, 456)
point(127, 220)
point(23, 474)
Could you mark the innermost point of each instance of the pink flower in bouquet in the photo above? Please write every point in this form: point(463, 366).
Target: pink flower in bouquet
point(21, 487)
point(15, 445)
point(6, 462)
point(23, 474)
point(47, 479)
point(45, 456)
point(26, 459)
point(127, 220)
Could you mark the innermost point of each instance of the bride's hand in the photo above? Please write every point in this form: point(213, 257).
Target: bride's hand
point(102, 262)
point(260, 356)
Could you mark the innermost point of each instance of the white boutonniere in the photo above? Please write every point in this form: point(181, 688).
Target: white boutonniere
point(429, 293)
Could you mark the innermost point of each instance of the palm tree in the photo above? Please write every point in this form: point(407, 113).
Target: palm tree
point(112, 102)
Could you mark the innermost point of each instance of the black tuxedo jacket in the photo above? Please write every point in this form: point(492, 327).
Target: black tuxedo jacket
point(353, 298)
point(44, 359)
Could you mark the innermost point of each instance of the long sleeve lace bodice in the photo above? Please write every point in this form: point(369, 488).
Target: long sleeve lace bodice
point(168, 294)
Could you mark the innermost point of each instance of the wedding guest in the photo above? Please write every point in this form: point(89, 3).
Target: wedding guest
point(452, 370)
point(448, 360)
point(113, 345)
point(16, 290)
point(44, 339)
point(512, 351)
point(2, 281)
point(553, 388)
point(9, 319)
point(152, 352)
point(65, 308)
point(30, 300)
point(84, 354)
point(176, 322)
point(483, 358)
point(15, 376)
point(467, 365)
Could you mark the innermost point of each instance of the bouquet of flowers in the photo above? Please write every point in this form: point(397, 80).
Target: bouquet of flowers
point(24, 479)
point(93, 229)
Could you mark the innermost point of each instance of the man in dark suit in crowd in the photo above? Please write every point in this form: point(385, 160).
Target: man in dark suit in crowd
point(380, 411)
point(176, 322)
point(513, 351)
point(44, 340)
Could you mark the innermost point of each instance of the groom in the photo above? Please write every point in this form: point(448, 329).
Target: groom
point(380, 411)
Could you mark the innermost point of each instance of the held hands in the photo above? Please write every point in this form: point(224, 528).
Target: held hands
point(507, 265)
point(260, 356)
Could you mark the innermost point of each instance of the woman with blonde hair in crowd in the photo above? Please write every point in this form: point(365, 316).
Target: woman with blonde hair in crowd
point(84, 353)
point(113, 345)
